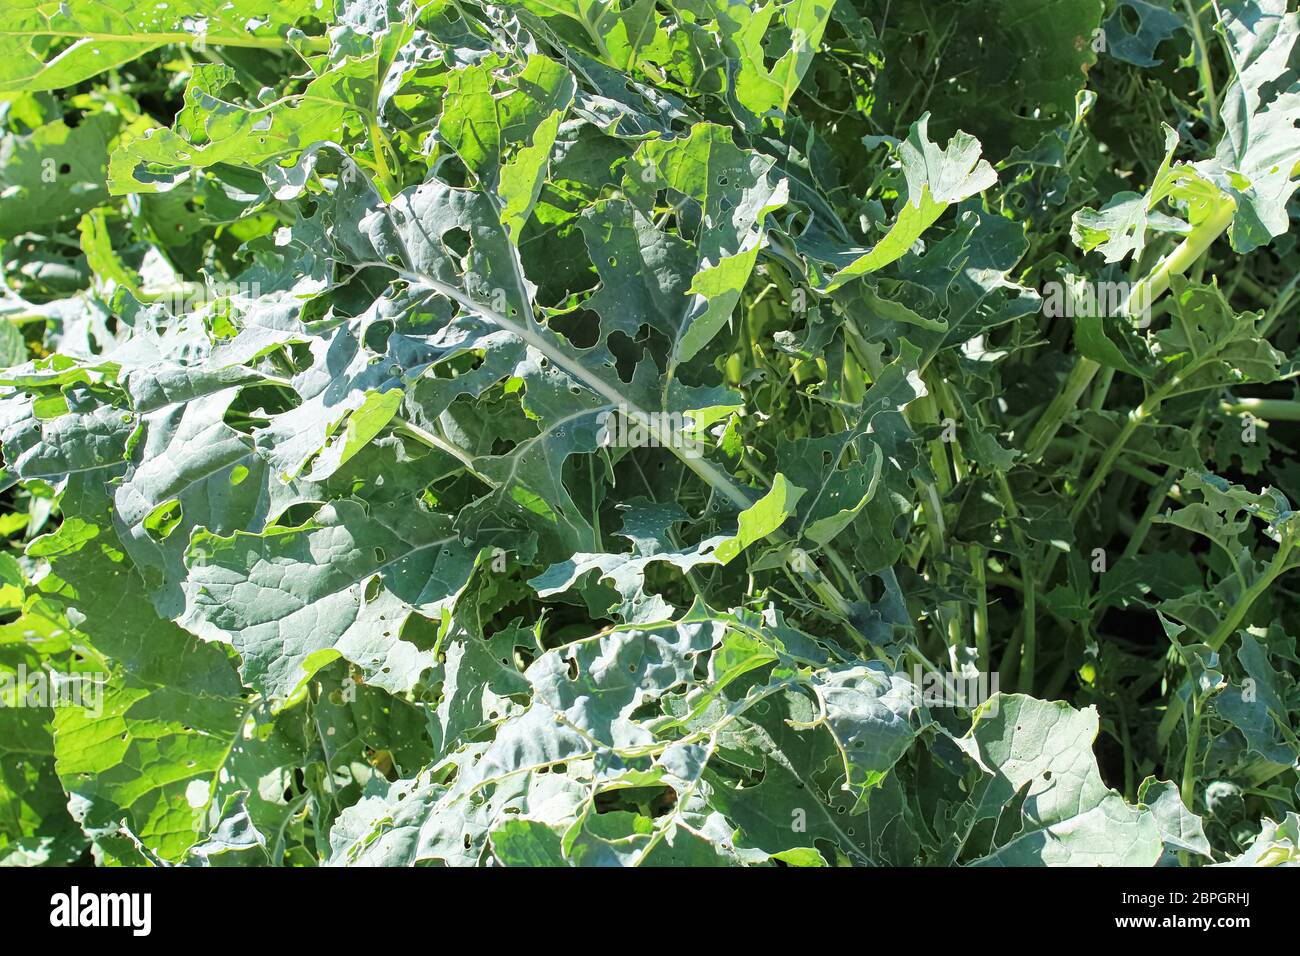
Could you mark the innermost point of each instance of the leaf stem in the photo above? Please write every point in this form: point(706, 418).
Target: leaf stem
point(434, 441)
point(1103, 467)
point(1029, 611)
point(1140, 299)
point(704, 469)
point(1228, 626)
point(980, 614)
point(379, 147)
point(185, 37)
point(1188, 789)
point(1210, 96)
point(1269, 409)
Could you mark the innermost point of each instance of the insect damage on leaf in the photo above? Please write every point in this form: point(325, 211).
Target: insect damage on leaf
point(576, 434)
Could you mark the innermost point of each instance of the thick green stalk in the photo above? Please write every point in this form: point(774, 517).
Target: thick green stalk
point(925, 410)
point(1101, 389)
point(980, 619)
point(1269, 409)
point(1209, 95)
point(1076, 383)
point(1102, 469)
point(1135, 419)
point(1188, 789)
point(1228, 626)
point(1029, 638)
point(1158, 495)
point(1141, 298)
point(1029, 612)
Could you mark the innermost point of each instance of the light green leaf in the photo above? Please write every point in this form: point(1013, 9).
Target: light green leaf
point(936, 178)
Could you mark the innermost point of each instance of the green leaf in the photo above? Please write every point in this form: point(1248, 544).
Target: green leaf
point(344, 584)
point(874, 717)
point(1039, 760)
point(936, 178)
point(578, 433)
point(1179, 827)
point(1155, 25)
point(53, 173)
point(105, 35)
point(147, 760)
point(1119, 229)
point(733, 193)
point(1260, 148)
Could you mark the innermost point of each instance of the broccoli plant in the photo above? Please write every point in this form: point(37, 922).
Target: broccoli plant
point(702, 432)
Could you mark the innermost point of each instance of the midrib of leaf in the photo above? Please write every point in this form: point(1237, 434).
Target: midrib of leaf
point(791, 78)
point(441, 444)
point(821, 489)
point(75, 471)
point(634, 43)
point(313, 44)
point(524, 331)
point(707, 471)
point(225, 756)
point(326, 100)
point(528, 443)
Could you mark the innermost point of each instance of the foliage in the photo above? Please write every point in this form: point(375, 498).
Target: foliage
point(622, 433)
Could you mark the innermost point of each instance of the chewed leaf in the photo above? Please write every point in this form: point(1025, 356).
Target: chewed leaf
point(1040, 754)
point(936, 178)
point(109, 34)
point(874, 717)
point(346, 581)
point(570, 433)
